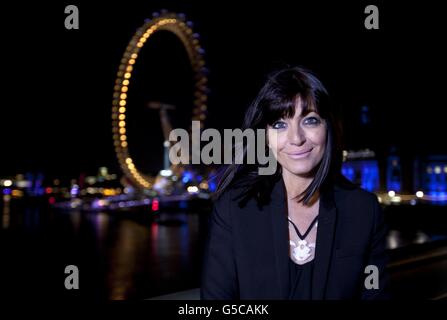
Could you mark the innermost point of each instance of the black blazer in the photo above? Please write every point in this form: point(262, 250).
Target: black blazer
point(247, 250)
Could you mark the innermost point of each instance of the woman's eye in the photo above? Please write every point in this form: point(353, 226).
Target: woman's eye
point(312, 121)
point(279, 125)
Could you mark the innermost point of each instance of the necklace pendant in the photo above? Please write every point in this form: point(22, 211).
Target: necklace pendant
point(302, 243)
point(302, 251)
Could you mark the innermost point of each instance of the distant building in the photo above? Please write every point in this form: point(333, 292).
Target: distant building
point(362, 168)
point(430, 175)
point(394, 173)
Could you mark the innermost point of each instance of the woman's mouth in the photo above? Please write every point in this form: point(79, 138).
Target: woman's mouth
point(299, 154)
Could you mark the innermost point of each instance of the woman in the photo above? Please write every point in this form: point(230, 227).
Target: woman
point(304, 232)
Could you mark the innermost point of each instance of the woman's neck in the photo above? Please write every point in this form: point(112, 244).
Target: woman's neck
point(295, 184)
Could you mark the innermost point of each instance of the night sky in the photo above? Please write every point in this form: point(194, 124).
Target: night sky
point(58, 84)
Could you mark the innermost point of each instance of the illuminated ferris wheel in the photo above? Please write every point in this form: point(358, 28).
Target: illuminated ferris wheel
point(182, 29)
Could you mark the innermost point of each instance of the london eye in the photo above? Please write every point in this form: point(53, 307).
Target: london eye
point(177, 25)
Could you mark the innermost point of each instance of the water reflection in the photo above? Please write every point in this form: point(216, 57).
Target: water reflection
point(397, 239)
point(31, 219)
point(6, 217)
point(124, 255)
point(75, 220)
point(100, 224)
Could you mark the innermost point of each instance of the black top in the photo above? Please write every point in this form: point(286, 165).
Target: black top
point(247, 248)
point(300, 280)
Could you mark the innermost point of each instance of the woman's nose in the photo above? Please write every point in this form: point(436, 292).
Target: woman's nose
point(296, 136)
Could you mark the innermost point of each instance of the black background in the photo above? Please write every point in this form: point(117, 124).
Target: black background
point(58, 84)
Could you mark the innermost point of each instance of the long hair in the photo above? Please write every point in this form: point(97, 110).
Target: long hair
point(276, 100)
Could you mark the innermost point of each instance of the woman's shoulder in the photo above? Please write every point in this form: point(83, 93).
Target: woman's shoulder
point(221, 198)
point(230, 195)
point(358, 206)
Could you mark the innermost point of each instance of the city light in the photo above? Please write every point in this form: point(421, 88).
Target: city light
point(203, 185)
point(193, 189)
point(419, 194)
point(7, 183)
point(17, 193)
point(74, 190)
point(166, 173)
point(155, 205)
point(391, 193)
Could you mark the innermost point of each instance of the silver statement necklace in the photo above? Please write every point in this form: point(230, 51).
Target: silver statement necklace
point(302, 250)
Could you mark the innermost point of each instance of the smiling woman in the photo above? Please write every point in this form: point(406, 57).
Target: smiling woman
point(294, 108)
point(277, 236)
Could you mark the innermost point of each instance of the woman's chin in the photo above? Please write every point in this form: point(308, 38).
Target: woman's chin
point(302, 171)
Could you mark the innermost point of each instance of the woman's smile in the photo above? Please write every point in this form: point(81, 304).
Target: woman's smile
point(299, 154)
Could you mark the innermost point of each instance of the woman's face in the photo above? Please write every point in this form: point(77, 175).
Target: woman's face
point(298, 143)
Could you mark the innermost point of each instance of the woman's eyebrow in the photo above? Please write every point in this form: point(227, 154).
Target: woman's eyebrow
point(303, 114)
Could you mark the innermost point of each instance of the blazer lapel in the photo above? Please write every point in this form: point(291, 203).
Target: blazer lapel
point(325, 237)
point(278, 214)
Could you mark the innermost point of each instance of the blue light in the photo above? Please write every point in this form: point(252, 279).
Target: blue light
point(212, 186)
point(364, 116)
point(393, 175)
point(348, 172)
point(434, 180)
point(74, 191)
point(187, 177)
point(364, 173)
point(183, 205)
